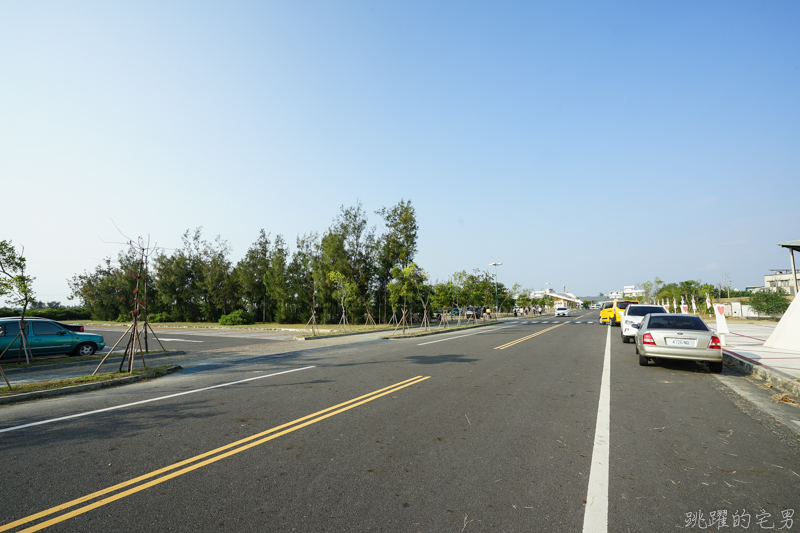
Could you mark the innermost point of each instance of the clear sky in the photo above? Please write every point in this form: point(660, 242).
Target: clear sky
point(587, 144)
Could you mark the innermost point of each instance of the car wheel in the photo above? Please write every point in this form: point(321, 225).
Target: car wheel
point(715, 367)
point(85, 349)
point(614, 321)
point(642, 360)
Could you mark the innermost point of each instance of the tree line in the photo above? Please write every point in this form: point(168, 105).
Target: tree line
point(766, 302)
point(350, 268)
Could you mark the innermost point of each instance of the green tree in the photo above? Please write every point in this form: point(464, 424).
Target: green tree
point(442, 297)
point(650, 288)
point(397, 246)
point(277, 281)
point(219, 288)
point(196, 283)
point(332, 258)
point(769, 303)
point(345, 291)
point(402, 288)
point(303, 275)
point(16, 286)
point(358, 241)
point(107, 292)
point(422, 290)
point(251, 273)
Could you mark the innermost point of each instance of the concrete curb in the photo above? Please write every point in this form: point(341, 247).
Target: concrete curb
point(776, 377)
point(315, 337)
point(94, 362)
point(26, 396)
point(439, 331)
point(395, 337)
point(155, 325)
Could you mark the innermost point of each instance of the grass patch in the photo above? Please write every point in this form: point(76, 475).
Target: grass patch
point(60, 360)
point(61, 383)
point(47, 361)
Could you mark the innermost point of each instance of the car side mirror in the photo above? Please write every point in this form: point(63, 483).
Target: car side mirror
point(62, 332)
point(635, 326)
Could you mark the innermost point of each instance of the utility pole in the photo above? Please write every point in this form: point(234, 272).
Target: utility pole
point(495, 265)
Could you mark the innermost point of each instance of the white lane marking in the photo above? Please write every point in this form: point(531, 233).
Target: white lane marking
point(796, 422)
point(467, 335)
point(148, 401)
point(179, 340)
point(595, 517)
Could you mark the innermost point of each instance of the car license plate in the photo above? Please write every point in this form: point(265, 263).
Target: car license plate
point(684, 343)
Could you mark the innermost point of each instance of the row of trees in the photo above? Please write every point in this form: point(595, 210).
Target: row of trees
point(765, 302)
point(657, 290)
point(350, 268)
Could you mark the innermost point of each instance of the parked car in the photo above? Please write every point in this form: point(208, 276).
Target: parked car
point(71, 327)
point(634, 314)
point(612, 311)
point(678, 336)
point(562, 311)
point(472, 312)
point(47, 337)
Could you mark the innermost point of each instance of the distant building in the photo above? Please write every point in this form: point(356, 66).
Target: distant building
point(628, 291)
point(565, 296)
point(781, 278)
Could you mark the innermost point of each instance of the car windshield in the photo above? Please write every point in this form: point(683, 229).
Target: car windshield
point(676, 322)
point(644, 310)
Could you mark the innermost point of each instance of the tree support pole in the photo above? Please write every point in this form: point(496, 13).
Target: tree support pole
point(111, 350)
point(157, 339)
point(5, 378)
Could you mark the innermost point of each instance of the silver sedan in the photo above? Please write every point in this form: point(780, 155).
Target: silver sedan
point(678, 336)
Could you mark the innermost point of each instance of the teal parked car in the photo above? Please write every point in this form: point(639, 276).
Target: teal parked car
point(48, 337)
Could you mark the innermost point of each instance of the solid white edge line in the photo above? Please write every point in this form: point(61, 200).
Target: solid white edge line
point(467, 335)
point(595, 517)
point(148, 401)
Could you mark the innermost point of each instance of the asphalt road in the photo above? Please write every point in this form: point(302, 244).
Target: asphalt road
point(496, 429)
point(194, 340)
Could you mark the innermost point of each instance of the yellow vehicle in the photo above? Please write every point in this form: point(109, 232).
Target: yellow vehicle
point(612, 311)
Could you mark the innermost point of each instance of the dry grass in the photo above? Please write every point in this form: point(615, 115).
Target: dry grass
point(785, 398)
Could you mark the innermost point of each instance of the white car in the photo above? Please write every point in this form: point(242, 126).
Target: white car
point(634, 314)
point(562, 311)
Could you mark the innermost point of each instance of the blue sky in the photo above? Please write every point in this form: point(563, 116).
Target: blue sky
point(586, 144)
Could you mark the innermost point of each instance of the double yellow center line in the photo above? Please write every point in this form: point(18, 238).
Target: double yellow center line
point(523, 339)
point(198, 461)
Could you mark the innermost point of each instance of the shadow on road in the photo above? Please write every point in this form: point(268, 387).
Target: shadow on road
point(440, 359)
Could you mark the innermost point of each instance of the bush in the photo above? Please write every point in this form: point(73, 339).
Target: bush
point(159, 317)
point(769, 303)
point(74, 313)
point(237, 318)
point(123, 318)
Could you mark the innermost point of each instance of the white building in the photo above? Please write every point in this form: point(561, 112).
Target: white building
point(565, 296)
point(628, 291)
point(781, 278)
